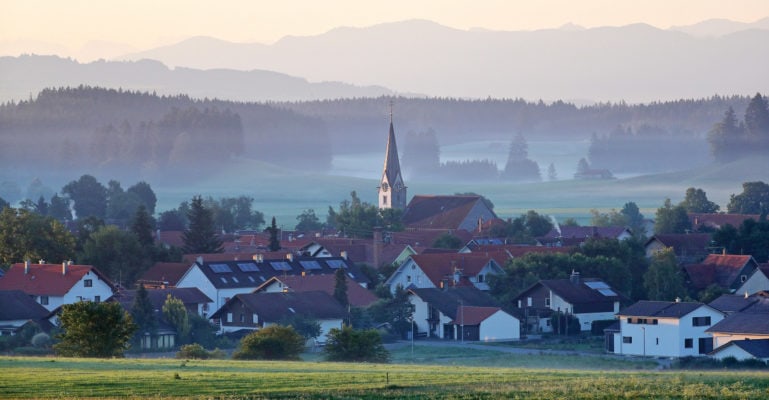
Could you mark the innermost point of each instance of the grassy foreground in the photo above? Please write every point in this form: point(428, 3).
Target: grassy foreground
point(165, 378)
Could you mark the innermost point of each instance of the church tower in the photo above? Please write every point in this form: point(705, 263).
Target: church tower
point(392, 191)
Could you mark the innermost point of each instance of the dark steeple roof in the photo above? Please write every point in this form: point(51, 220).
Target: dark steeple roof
point(392, 166)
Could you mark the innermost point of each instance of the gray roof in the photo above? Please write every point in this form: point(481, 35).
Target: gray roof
point(447, 300)
point(758, 348)
point(732, 303)
point(746, 323)
point(251, 274)
point(275, 307)
point(661, 309)
point(17, 305)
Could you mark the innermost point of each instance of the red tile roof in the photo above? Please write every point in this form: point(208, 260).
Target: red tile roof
point(267, 255)
point(46, 279)
point(717, 221)
point(722, 270)
point(727, 260)
point(442, 265)
point(469, 315)
point(164, 274)
point(356, 294)
point(438, 212)
point(170, 238)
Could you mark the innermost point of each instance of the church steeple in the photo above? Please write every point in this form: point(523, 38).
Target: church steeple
point(392, 191)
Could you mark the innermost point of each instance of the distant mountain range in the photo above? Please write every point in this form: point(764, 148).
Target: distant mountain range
point(25, 76)
point(636, 63)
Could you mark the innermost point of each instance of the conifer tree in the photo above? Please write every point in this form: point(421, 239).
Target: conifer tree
point(274, 240)
point(340, 288)
point(141, 226)
point(143, 312)
point(200, 236)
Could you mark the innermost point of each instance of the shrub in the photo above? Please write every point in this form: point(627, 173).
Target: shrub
point(41, 340)
point(193, 351)
point(274, 342)
point(347, 344)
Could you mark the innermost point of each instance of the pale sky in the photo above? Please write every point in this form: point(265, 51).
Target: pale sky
point(143, 24)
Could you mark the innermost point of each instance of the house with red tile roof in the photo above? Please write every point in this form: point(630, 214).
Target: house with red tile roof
point(357, 295)
point(444, 270)
point(442, 212)
point(728, 271)
point(711, 222)
point(461, 313)
point(54, 285)
point(163, 275)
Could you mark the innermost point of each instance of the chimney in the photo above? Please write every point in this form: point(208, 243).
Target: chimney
point(200, 260)
point(41, 261)
point(377, 246)
point(26, 267)
point(290, 257)
point(723, 251)
point(64, 268)
point(746, 294)
point(574, 278)
point(343, 254)
point(678, 299)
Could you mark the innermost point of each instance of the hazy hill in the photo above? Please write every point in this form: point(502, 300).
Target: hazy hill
point(635, 62)
point(720, 27)
point(23, 76)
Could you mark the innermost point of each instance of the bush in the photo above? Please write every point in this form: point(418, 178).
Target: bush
point(274, 342)
point(193, 351)
point(31, 351)
point(347, 344)
point(41, 340)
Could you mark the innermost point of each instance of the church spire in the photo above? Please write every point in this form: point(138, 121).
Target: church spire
point(392, 191)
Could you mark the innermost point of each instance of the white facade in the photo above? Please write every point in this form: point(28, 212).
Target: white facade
point(734, 351)
point(667, 337)
point(500, 326)
point(325, 327)
point(422, 314)
point(409, 274)
point(195, 278)
point(720, 338)
point(585, 319)
point(755, 283)
point(89, 288)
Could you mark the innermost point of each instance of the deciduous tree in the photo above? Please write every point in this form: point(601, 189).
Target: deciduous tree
point(89, 197)
point(696, 201)
point(663, 280)
point(274, 342)
point(347, 344)
point(754, 199)
point(92, 329)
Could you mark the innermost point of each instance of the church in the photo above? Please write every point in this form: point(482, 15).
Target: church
point(428, 212)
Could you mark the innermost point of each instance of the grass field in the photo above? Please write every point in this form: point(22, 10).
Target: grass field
point(166, 378)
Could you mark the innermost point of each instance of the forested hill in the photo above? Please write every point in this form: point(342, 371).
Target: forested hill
point(124, 132)
point(457, 121)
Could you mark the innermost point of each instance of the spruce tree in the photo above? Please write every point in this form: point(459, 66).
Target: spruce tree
point(340, 288)
point(200, 236)
point(143, 312)
point(274, 241)
point(141, 226)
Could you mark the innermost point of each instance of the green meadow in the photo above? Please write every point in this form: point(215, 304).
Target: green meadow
point(65, 378)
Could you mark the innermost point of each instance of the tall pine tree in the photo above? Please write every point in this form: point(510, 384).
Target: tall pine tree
point(340, 287)
point(274, 240)
point(200, 236)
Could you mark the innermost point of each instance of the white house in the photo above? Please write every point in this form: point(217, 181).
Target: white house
point(54, 285)
point(665, 329)
point(222, 280)
point(440, 270)
point(587, 299)
point(744, 349)
point(254, 311)
point(457, 312)
point(756, 282)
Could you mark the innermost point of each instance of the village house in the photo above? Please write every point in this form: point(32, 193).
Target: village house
point(163, 275)
point(566, 235)
point(712, 222)
point(19, 309)
point(442, 270)
point(222, 280)
point(689, 248)
point(664, 329)
point(757, 282)
point(727, 271)
point(587, 299)
point(253, 311)
point(165, 334)
point(357, 295)
point(448, 213)
point(461, 313)
point(54, 285)
point(747, 320)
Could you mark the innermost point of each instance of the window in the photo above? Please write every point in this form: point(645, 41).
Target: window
point(384, 199)
point(701, 321)
point(547, 301)
point(229, 317)
point(44, 300)
point(408, 278)
point(242, 318)
point(743, 278)
point(627, 339)
point(88, 283)
point(255, 318)
point(519, 303)
point(689, 343)
point(97, 299)
point(654, 322)
point(528, 301)
point(658, 341)
point(629, 320)
point(480, 278)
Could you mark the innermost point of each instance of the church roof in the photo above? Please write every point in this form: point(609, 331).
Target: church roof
point(392, 166)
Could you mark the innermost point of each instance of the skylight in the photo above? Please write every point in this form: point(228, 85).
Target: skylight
point(336, 264)
point(220, 268)
point(310, 264)
point(280, 265)
point(248, 267)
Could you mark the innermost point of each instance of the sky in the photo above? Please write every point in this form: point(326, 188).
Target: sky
point(104, 26)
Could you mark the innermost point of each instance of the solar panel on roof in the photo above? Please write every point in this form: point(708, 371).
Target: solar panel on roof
point(597, 285)
point(336, 264)
point(607, 292)
point(248, 267)
point(280, 265)
point(310, 264)
point(220, 268)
